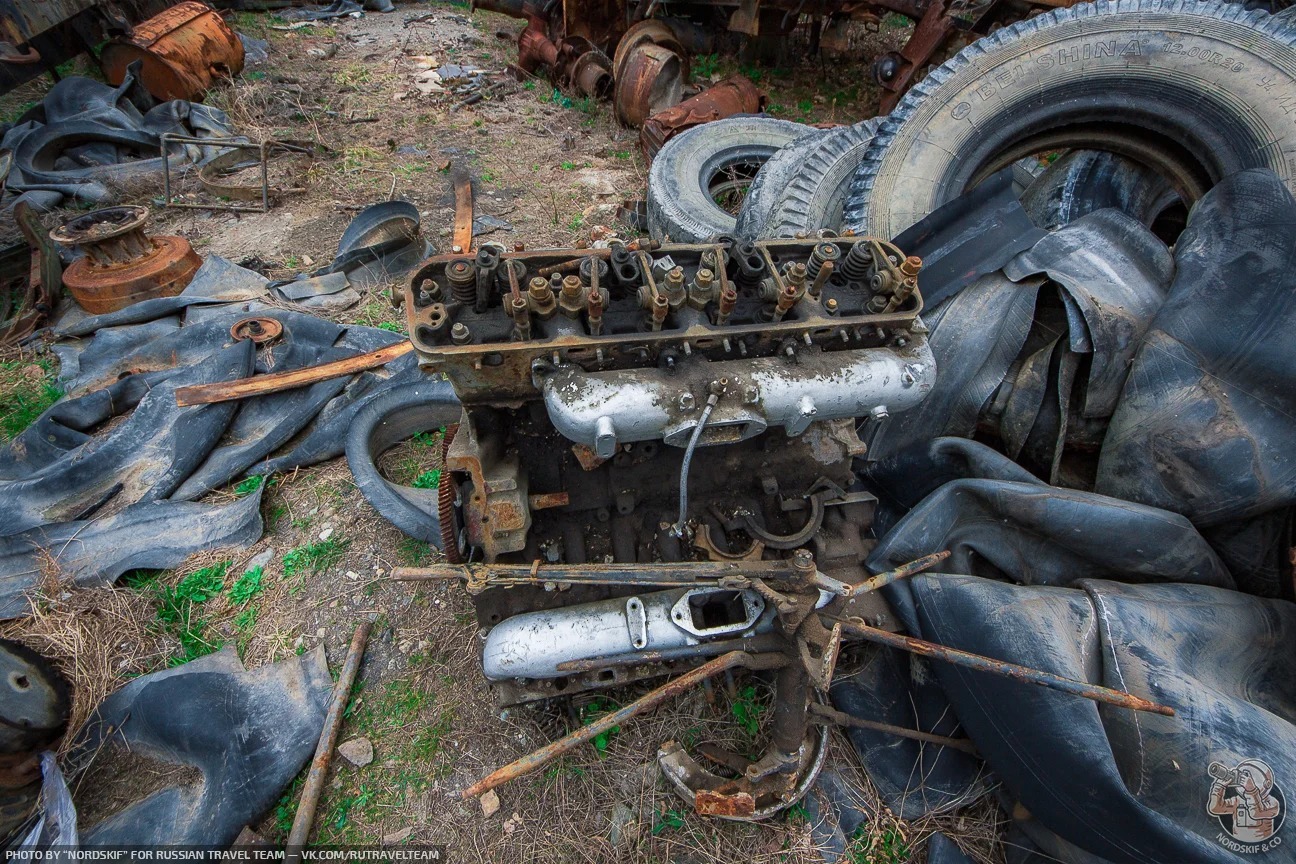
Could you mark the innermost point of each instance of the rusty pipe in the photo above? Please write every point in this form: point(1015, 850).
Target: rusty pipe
point(824, 714)
point(669, 690)
point(1024, 674)
point(314, 785)
point(904, 571)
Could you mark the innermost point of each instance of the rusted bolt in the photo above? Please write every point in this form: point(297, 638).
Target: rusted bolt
point(911, 266)
point(675, 294)
point(460, 334)
point(830, 304)
point(542, 297)
point(659, 309)
point(802, 559)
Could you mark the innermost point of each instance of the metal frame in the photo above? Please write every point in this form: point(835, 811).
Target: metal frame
point(265, 147)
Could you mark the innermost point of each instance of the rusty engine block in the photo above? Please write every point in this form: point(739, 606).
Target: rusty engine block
point(654, 463)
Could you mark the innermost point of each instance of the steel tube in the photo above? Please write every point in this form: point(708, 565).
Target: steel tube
point(824, 714)
point(904, 571)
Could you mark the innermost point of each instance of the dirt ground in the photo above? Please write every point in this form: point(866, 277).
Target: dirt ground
point(553, 169)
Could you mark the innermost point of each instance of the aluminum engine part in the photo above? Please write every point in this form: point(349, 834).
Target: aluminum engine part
point(534, 644)
point(602, 410)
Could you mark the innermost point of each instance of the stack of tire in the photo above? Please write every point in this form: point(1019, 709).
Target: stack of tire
point(1149, 103)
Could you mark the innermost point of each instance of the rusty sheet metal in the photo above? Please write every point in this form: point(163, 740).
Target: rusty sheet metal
point(122, 265)
point(671, 689)
point(651, 80)
point(738, 805)
point(734, 95)
point(1024, 674)
point(463, 221)
point(184, 50)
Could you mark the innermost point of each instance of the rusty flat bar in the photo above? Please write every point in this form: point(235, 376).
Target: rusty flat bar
point(314, 785)
point(1024, 674)
point(463, 219)
point(827, 715)
point(683, 573)
point(259, 385)
point(904, 571)
point(669, 690)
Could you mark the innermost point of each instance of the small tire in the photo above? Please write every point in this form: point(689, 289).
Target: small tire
point(815, 196)
point(681, 208)
point(1199, 89)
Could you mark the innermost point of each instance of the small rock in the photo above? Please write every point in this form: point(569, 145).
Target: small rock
point(512, 823)
point(320, 633)
point(326, 533)
point(397, 836)
point(351, 574)
point(490, 803)
point(358, 751)
point(261, 559)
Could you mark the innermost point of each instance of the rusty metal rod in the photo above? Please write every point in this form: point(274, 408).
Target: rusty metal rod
point(669, 690)
point(314, 785)
point(904, 571)
point(1024, 674)
point(824, 714)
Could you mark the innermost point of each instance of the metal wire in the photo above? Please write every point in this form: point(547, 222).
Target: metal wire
point(678, 528)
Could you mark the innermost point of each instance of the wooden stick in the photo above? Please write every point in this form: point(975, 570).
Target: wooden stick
point(314, 785)
point(259, 385)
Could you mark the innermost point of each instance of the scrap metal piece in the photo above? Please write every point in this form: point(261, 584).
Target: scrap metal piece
point(123, 265)
point(210, 174)
point(258, 328)
point(650, 79)
point(183, 51)
point(734, 95)
point(673, 688)
point(1023, 674)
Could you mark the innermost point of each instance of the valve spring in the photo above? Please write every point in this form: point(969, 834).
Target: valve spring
point(822, 252)
point(502, 277)
point(462, 279)
point(587, 267)
point(751, 267)
point(858, 260)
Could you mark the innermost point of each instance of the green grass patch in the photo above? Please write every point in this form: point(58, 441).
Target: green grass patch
point(25, 397)
point(247, 586)
point(428, 479)
point(705, 65)
point(667, 820)
point(180, 610)
point(746, 710)
point(314, 558)
point(596, 708)
point(887, 847)
point(248, 485)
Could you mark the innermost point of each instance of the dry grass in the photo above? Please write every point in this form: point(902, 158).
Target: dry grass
point(98, 638)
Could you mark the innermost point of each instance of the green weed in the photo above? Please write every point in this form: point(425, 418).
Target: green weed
point(247, 586)
point(25, 398)
point(887, 847)
point(179, 610)
point(596, 708)
point(428, 479)
point(667, 819)
point(747, 710)
point(248, 485)
point(705, 65)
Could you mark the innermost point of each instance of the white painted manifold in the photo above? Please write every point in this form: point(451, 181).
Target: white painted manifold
point(604, 409)
point(533, 644)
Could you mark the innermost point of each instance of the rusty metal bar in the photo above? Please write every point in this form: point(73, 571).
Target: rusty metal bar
point(824, 714)
point(462, 236)
point(904, 571)
point(669, 690)
point(682, 574)
point(314, 785)
point(1024, 674)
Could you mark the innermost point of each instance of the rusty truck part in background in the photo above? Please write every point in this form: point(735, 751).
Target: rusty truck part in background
point(651, 68)
point(122, 265)
point(735, 95)
point(212, 175)
point(39, 35)
point(32, 275)
point(183, 51)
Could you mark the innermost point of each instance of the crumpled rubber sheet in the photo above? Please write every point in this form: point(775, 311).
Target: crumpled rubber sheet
point(86, 140)
point(89, 465)
point(1205, 423)
point(157, 535)
point(248, 732)
point(1107, 784)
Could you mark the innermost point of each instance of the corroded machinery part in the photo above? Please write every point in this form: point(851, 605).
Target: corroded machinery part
point(34, 706)
point(121, 264)
point(183, 51)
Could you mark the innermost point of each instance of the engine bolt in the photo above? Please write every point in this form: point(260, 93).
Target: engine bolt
point(687, 402)
point(542, 298)
point(830, 304)
point(460, 334)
